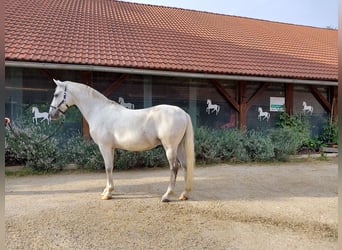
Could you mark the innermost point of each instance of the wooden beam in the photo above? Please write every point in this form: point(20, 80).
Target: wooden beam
point(87, 78)
point(115, 84)
point(289, 98)
point(243, 106)
point(225, 94)
point(334, 104)
point(257, 94)
point(320, 98)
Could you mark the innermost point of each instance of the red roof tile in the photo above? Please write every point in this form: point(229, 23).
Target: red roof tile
point(121, 34)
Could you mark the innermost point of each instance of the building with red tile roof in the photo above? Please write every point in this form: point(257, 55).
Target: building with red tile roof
point(234, 59)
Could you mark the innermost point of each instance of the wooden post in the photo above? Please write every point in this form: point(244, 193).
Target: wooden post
point(193, 104)
point(289, 98)
point(147, 91)
point(243, 106)
point(334, 104)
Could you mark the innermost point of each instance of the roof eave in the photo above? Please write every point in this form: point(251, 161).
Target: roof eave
point(83, 67)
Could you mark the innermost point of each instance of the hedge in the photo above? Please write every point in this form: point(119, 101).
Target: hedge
point(211, 146)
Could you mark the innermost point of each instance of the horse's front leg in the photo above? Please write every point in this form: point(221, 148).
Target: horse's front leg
point(108, 157)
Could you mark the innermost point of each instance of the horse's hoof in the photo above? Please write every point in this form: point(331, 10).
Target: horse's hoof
point(106, 197)
point(183, 197)
point(164, 199)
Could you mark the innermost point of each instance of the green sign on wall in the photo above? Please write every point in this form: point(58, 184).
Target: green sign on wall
point(277, 104)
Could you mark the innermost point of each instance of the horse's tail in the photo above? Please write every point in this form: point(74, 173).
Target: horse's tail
point(190, 155)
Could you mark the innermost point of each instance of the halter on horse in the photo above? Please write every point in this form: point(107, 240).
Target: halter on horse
point(113, 126)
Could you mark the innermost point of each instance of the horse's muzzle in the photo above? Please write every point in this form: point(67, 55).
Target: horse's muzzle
point(54, 113)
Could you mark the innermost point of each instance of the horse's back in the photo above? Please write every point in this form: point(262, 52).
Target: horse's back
point(167, 115)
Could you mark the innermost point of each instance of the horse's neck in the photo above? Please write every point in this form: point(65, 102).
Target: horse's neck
point(88, 100)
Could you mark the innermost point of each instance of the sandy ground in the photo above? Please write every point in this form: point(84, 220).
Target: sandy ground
point(282, 206)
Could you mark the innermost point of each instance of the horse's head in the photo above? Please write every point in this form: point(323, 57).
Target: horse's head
point(259, 109)
point(60, 102)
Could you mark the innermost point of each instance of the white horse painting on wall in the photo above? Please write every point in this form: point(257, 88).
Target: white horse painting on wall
point(38, 115)
point(263, 115)
point(125, 104)
point(212, 107)
point(307, 109)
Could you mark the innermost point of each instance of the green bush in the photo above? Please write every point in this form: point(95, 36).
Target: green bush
point(25, 146)
point(259, 146)
point(210, 146)
point(87, 154)
point(151, 158)
point(330, 133)
point(206, 144)
point(298, 124)
point(231, 145)
point(82, 152)
point(286, 142)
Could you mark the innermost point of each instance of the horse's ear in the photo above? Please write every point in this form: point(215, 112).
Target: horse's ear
point(58, 82)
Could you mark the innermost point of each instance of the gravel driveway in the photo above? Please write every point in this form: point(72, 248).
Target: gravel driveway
point(279, 206)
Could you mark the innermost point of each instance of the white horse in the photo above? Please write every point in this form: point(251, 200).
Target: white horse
point(212, 107)
point(37, 115)
point(126, 104)
point(263, 115)
point(307, 109)
point(113, 126)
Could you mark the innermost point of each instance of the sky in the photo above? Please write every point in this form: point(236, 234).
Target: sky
point(317, 13)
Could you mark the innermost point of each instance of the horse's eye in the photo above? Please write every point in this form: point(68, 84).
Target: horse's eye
point(55, 95)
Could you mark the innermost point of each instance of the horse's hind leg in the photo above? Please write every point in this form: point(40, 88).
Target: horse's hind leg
point(182, 161)
point(172, 158)
point(108, 157)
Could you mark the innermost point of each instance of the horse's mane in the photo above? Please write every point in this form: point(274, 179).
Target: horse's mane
point(94, 93)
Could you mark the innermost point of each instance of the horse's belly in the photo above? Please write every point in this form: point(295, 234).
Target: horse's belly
point(135, 140)
point(136, 144)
